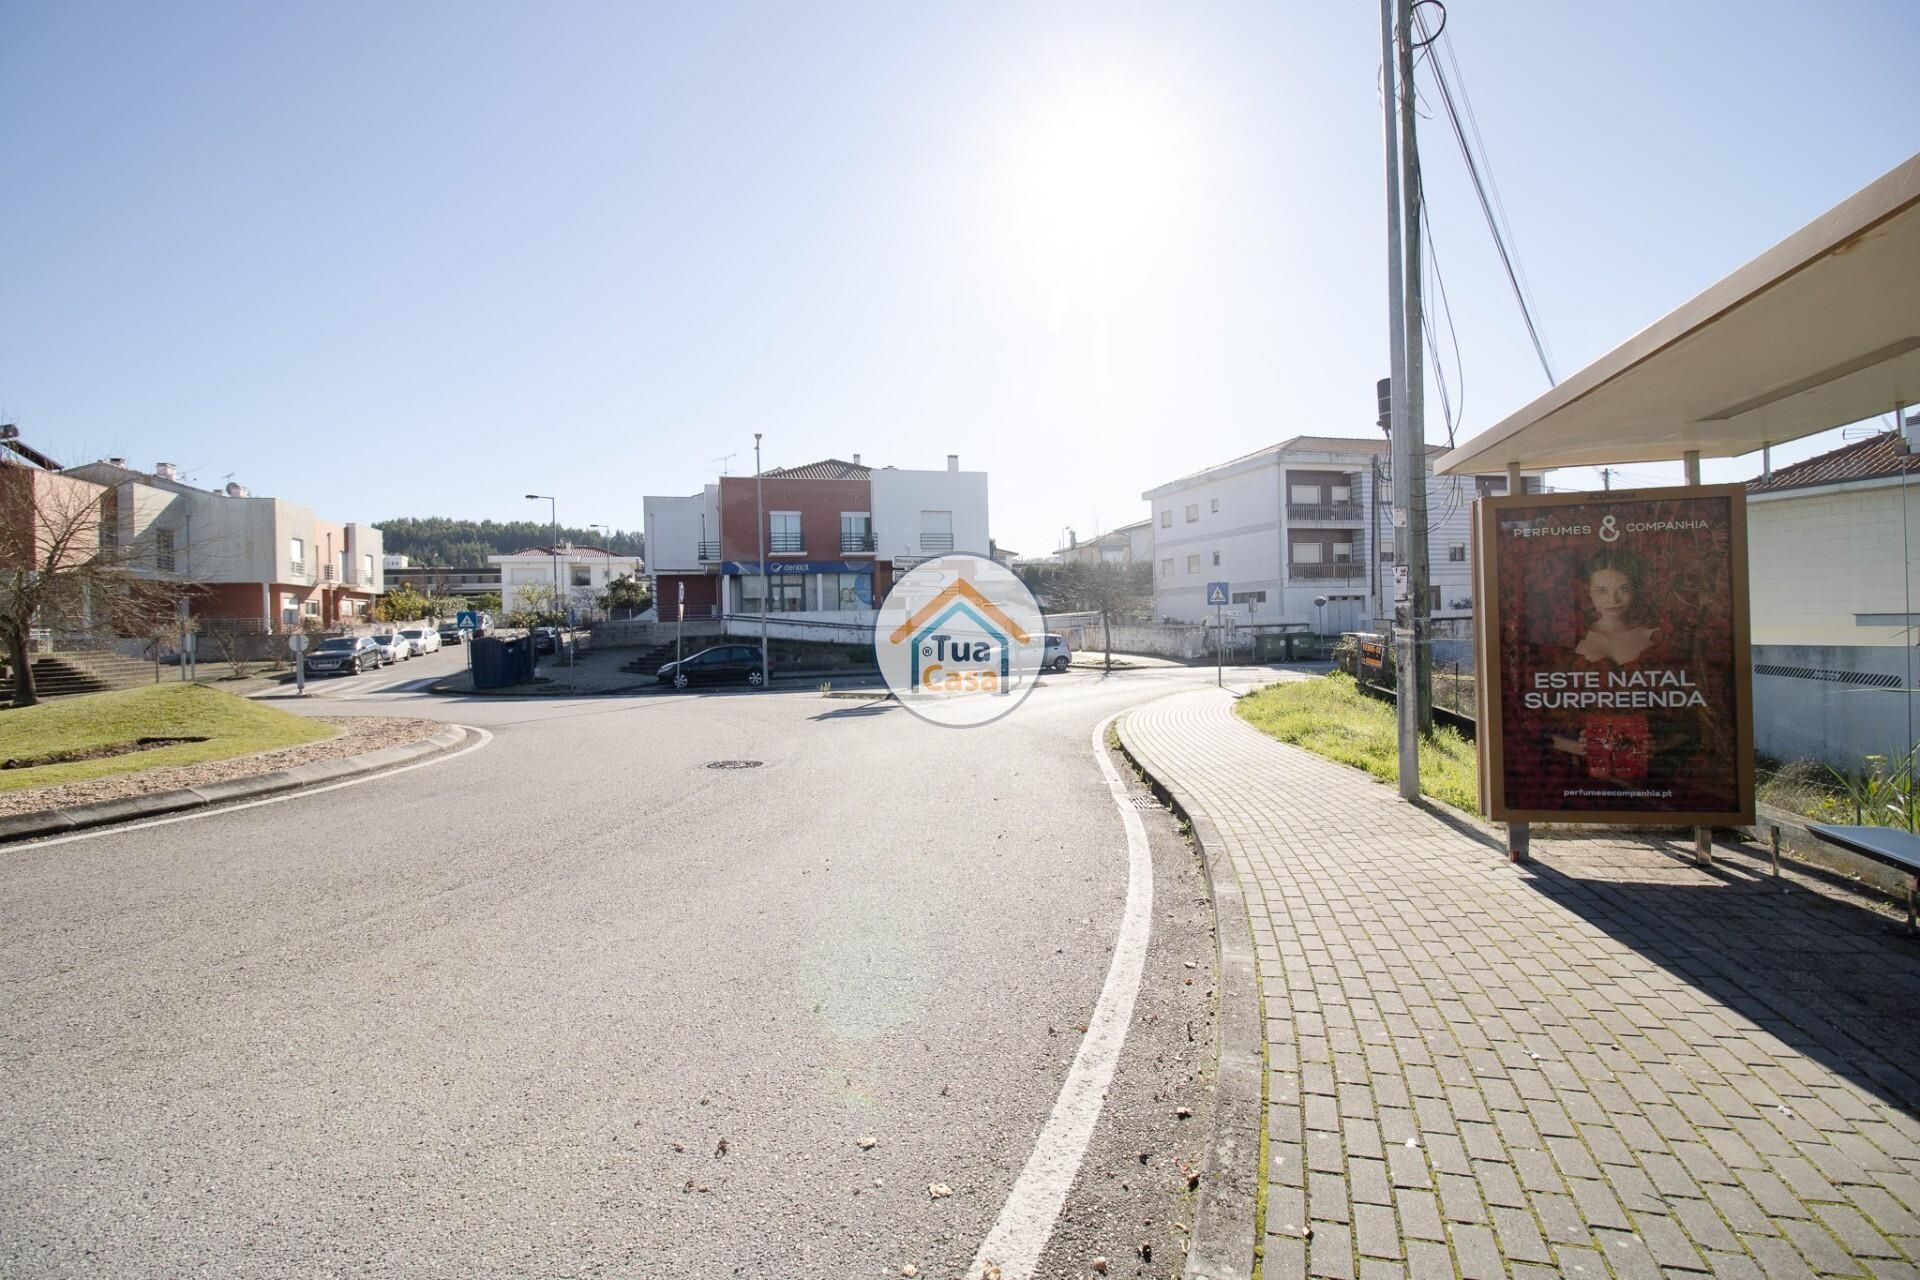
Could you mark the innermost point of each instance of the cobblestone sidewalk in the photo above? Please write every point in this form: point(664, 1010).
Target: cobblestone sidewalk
point(1609, 1062)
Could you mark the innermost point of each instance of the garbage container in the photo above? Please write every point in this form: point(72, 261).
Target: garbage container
point(498, 663)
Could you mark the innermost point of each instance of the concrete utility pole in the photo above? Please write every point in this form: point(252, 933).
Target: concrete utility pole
point(1418, 570)
point(766, 579)
point(1402, 456)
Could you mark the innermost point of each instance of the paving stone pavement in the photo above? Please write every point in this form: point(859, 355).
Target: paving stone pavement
point(1607, 1062)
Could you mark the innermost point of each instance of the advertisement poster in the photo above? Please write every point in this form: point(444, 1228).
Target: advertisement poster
point(1615, 685)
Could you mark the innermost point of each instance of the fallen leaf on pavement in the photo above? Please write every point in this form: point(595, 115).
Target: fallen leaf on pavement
point(938, 1190)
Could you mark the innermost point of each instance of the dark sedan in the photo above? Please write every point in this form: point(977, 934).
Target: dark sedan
point(345, 655)
point(718, 665)
point(546, 639)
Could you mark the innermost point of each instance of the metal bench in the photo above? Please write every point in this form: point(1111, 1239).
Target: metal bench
point(1887, 845)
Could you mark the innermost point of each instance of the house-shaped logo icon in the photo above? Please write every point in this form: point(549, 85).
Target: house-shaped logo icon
point(991, 637)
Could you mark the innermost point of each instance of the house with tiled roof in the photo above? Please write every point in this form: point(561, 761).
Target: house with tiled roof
point(1302, 533)
point(819, 542)
point(1832, 543)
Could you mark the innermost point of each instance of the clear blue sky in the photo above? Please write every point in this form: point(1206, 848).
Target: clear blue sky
point(414, 259)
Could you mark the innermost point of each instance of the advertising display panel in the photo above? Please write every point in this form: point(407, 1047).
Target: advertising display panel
point(1615, 685)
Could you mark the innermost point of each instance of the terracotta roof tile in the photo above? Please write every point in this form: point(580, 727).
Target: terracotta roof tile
point(1868, 459)
point(825, 469)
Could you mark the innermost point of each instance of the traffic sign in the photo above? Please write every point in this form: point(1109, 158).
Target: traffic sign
point(297, 642)
point(1217, 593)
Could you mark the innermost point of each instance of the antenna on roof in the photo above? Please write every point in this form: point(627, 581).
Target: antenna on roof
point(723, 460)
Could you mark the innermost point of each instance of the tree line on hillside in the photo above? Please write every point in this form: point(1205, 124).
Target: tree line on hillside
point(439, 540)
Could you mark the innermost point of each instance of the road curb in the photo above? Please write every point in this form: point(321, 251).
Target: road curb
point(1225, 1221)
point(54, 822)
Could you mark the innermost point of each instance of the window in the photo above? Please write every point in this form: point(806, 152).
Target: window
point(1433, 599)
point(749, 591)
point(1216, 506)
point(289, 611)
point(1166, 518)
point(1308, 552)
point(582, 575)
point(936, 530)
point(1249, 597)
point(1342, 493)
point(783, 533)
point(1303, 495)
point(1386, 555)
point(163, 550)
point(1193, 512)
point(1216, 559)
point(297, 552)
point(1342, 552)
point(1193, 564)
point(366, 566)
point(1457, 552)
point(1166, 566)
point(789, 594)
point(312, 608)
point(110, 518)
point(856, 532)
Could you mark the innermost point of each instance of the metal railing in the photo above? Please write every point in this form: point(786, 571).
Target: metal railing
point(855, 543)
point(1340, 571)
point(709, 551)
point(786, 544)
point(1349, 512)
point(936, 542)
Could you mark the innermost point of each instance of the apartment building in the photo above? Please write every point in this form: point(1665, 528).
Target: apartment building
point(1128, 544)
point(1302, 532)
point(252, 559)
point(835, 534)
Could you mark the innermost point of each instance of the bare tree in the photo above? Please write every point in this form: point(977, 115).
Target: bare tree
point(1110, 590)
point(63, 567)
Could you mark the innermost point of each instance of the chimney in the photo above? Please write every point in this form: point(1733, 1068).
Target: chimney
point(166, 471)
point(953, 462)
point(116, 462)
point(1073, 539)
point(856, 459)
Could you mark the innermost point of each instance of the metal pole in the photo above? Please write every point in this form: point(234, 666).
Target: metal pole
point(766, 579)
point(1702, 836)
point(1519, 834)
point(1219, 648)
point(1419, 574)
point(1402, 464)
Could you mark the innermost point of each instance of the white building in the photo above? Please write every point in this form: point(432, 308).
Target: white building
point(1302, 533)
point(1128, 544)
point(528, 577)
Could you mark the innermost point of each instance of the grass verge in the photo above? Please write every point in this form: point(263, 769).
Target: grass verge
point(231, 726)
point(1331, 717)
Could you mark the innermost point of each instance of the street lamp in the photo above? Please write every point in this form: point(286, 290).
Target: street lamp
point(766, 579)
point(553, 542)
point(607, 531)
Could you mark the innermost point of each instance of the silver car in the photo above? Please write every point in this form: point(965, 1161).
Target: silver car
point(1059, 655)
point(422, 640)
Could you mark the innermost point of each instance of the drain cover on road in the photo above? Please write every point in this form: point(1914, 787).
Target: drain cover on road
point(733, 764)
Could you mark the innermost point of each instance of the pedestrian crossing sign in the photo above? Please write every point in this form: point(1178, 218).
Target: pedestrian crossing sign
point(1216, 593)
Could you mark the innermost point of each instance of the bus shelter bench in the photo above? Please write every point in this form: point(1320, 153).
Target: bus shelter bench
point(1889, 846)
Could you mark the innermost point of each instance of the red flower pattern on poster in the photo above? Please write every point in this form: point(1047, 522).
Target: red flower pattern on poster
point(1619, 664)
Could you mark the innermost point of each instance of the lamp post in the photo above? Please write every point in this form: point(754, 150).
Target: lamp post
point(766, 579)
point(607, 532)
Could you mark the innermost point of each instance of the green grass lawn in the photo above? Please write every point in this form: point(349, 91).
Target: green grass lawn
point(1331, 717)
point(232, 726)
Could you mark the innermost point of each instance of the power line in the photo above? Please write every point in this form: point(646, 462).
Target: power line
point(1520, 293)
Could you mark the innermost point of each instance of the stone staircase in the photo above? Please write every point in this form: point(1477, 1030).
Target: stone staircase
point(651, 660)
point(63, 675)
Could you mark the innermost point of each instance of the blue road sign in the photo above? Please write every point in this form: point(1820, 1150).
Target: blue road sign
point(1216, 593)
point(468, 619)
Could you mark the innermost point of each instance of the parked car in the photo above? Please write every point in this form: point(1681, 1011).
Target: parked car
point(394, 646)
point(720, 664)
point(451, 633)
point(345, 655)
point(422, 639)
point(546, 639)
point(1059, 654)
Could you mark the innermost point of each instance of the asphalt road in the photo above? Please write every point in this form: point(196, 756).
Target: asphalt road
point(576, 1003)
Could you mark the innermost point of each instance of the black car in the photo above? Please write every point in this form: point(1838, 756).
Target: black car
point(717, 665)
point(546, 639)
point(345, 655)
point(452, 633)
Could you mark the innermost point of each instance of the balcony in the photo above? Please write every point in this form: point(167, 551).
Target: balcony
point(709, 551)
point(787, 544)
point(855, 544)
point(1326, 512)
point(1339, 571)
point(936, 542)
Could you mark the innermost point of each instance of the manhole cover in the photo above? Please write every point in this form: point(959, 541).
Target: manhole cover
point(733, 764)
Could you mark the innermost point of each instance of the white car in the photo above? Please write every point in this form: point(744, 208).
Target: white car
point(1059, 654)
point(392, 646)
point(422, 639)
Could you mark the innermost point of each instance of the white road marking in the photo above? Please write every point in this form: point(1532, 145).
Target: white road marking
point(1026, 1221)
point(300, 794)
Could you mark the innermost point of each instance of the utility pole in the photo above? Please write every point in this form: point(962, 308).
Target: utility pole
point(766, 579)
point(1402, 472)
point(1606, 478)
point(1418, 571)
